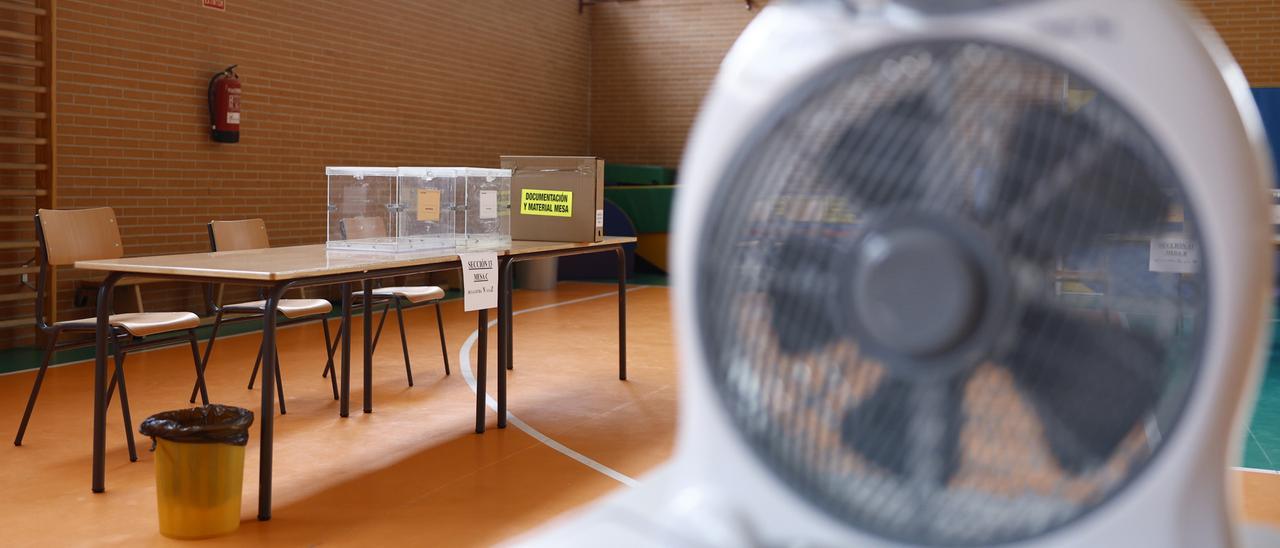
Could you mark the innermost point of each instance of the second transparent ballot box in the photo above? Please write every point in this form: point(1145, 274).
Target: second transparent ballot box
point(426, 209)
point(484, 215)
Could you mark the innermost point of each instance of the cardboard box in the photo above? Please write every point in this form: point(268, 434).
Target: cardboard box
point(556, 198)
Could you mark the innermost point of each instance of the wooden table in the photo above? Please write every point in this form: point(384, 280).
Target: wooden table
point(280, 269)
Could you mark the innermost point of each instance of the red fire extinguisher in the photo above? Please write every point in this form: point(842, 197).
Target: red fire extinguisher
point(224, 106)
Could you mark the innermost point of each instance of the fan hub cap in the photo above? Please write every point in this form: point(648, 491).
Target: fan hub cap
point(922, 294)
point(916, 290)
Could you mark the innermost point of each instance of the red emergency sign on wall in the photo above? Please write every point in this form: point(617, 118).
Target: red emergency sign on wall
point(220, 5)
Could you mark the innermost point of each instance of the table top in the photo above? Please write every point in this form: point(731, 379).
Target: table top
point(306, 261)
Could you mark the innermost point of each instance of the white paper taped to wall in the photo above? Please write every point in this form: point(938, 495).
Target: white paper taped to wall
point(1175, 254)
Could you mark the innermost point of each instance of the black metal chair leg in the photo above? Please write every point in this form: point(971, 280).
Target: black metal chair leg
point(111, 386)
point(256, 362)
point(35, 389)
point(378, 334)
point(404, 341)
point(204, 361)
point(279, 384)
point(111, 391)
point(195, 360)
point(328, 366)
point(444, 349)
point(124, 405)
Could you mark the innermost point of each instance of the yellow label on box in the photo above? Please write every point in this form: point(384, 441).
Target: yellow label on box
point(548, 203)
point(428, 205)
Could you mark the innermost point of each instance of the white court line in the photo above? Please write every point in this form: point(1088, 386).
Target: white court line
point(464, 358)
point(1255, 470)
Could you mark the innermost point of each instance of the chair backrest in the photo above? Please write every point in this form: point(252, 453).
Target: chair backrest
point(70, 235)
point(359, 228)
point(236, 235)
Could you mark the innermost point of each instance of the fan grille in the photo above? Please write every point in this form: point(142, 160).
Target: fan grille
point(957, 6)
point(1058, 399)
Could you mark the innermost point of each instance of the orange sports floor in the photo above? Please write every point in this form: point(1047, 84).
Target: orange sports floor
point(412, 472)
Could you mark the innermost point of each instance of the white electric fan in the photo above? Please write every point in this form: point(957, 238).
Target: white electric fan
point(962, 273)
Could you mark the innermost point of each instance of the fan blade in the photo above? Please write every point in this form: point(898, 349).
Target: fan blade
point(1067, 183)
point(882, 160)
point(1089, 382)
point(911, 430)
point(801, 290)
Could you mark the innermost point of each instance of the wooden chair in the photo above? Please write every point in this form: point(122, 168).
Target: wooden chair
point(252, 234)
point(67, 236)
point(375, 227)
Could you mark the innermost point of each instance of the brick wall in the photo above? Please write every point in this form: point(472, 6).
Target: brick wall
point(651, 63)
point(1251, 28)
point(326, 82)
point(653, 60)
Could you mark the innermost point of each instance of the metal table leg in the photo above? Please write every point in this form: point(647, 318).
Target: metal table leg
point(100, 382)
point(510, 286)
point(368, 346)
point(268, 412)
point(483, 344)
point(344, 331)
point(622, 314)
point(502, 318)
point(504, 336)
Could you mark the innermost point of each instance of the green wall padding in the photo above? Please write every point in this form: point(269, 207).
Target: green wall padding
point(649, 207)
point(629, 174)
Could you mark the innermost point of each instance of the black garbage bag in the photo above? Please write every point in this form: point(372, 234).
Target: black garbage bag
point(212, 423)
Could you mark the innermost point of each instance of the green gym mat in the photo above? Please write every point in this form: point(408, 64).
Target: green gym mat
point(1262, 440)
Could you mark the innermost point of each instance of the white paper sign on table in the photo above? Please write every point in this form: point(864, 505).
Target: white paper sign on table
point(1174, 254)
point(479, 280)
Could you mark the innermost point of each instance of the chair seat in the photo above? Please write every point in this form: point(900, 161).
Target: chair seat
point(140, 324)
point(414, 294)
point(289, 308)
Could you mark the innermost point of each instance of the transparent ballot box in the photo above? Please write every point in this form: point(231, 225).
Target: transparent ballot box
point(426, 207)
point(361, 204)
point(484, 215)
point(418, 208)
point(390, 209)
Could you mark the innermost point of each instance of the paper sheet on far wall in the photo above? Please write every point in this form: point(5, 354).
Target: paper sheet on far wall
point(1174, 253)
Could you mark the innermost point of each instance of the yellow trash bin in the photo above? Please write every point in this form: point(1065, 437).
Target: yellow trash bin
point(199, 469)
